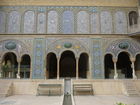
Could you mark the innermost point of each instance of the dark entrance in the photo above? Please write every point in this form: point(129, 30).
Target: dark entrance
point(51, 71)
point(9, 65)
point(25, 66)
point(108, 65)
point(67, 64)
point(124, 64)
point(83, 65)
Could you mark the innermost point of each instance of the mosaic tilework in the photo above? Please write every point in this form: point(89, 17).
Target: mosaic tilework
point(120, 22)
point(38, 59)
point(14, 22)
point(29, 22)
point(68, 22)
point(83, 22)
point(2, 21)
point(97, 59)
point(52, 26)
point(41, 23)
point(106, 22)
point(95, 23)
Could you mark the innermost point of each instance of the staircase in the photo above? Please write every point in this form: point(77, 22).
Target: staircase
point(5, 88)
point(130, 88)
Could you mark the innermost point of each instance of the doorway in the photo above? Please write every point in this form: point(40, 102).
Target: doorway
point(67, 64)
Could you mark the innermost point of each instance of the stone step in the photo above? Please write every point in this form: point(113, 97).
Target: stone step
point(130, 88)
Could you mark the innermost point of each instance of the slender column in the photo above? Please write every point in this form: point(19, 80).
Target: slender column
point(18, 74)
point(115, 69)
point(58, 69)
point(31, 69)
point(77, 71)
point(0, 70)
point(133, 68)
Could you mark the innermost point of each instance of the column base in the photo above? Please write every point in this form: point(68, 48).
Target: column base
point(134, 77)
point(116, 76)
point(18, 76)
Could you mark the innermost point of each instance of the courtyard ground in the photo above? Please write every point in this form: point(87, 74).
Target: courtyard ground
point(57, 100)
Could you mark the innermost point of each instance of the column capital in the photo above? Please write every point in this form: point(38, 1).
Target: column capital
point(132, 59)
point(18, 60)
point(115, 60)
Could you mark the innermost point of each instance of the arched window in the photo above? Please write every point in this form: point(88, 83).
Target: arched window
point(133, 18)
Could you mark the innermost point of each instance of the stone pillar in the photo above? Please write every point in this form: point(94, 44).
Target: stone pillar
point(0, 69)
point(133, 68)
point(115, 68)
point(77, 71)
point(58, 68)
point(18, 74)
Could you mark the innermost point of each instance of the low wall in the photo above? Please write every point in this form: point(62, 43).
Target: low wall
point(30, 86)
point(107, 87)
point(100, 87)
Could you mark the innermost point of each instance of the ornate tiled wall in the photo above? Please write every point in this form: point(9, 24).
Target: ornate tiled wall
point(63, 20)
point(97, 65)
point(38, 71)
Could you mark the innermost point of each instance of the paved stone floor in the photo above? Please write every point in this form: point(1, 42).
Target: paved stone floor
point(105, 100)
point(31, 100)
point(57, 100)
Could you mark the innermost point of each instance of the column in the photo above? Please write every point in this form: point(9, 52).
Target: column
point(133, 68)
point(58, 69)
point(18, 74)
point(115, 69)
point(31, 68)
point(0, 69)
point(77, 71)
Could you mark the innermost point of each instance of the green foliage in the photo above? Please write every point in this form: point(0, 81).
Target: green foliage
point(123, 104)
point(5, 67)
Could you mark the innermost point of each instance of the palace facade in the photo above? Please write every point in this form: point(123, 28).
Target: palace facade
point(77, 39)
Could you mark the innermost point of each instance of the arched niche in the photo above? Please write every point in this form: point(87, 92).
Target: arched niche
point(68, 22)
point(29, 22)
point(14, 22)
point(52, 24)
point(83, 22)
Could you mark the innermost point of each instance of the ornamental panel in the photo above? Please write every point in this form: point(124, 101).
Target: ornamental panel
point(120, 23)
point(106, 22)
point(83, 22)
point(41, 23)
point(29, 22)
point(68, 22)
point(14, 22)
point(2, 21)
point(95, 23)
point(52, 26)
